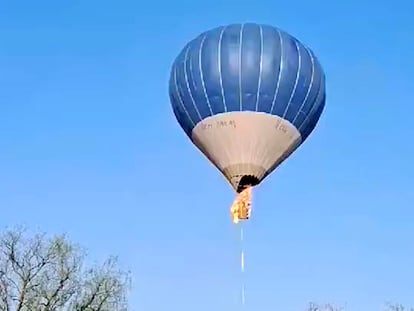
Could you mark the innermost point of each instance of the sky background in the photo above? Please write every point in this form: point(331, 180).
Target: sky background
point(89, 146)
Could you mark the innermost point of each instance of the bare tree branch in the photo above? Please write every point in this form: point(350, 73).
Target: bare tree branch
point(397, 307)
point(104, 287)
point(323, 307)
point(45, 274)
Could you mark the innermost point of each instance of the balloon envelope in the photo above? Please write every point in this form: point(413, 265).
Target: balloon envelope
point(247, 95)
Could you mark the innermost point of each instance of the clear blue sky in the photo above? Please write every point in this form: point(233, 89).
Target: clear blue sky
point(89, 146)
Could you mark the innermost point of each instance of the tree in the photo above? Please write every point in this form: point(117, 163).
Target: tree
point(397, 307)
point(41, 273)
point(330, 307)
point(323, 307)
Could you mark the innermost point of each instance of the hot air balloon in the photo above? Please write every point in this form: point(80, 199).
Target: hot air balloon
point(247, 95)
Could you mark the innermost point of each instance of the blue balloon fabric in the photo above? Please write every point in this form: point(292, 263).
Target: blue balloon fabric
point(247, 67)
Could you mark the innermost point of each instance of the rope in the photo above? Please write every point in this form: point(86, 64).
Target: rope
point(243, 293)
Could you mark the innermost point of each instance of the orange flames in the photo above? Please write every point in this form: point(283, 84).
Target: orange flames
point(240, 209)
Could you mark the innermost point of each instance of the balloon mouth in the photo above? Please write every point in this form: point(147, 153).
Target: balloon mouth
point(247, 181)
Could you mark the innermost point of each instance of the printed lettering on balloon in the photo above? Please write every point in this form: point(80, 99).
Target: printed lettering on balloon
point(206, 126)
point(219, 125)
point(226, 124)
point(283, 128)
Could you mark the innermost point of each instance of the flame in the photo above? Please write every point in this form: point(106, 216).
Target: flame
point(240, 209)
